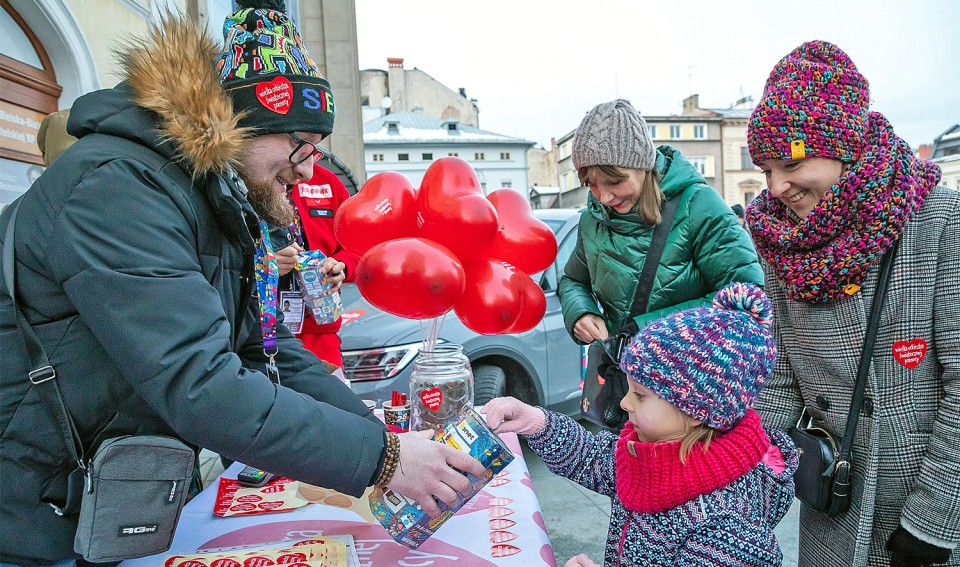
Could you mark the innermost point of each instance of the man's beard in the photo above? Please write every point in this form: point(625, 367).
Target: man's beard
point(271, 206)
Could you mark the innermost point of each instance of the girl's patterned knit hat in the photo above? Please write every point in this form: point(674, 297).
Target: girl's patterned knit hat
point(815, 103)
point(708, 362)
point(268, 73)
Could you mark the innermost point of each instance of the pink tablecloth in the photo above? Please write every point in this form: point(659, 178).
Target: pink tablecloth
point(485, 532)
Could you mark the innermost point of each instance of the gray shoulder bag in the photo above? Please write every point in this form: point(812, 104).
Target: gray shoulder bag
point(131, 492)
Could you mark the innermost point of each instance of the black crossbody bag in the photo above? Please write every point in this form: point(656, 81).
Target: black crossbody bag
point(604, 384)
point(128, 496)
point(823, 477)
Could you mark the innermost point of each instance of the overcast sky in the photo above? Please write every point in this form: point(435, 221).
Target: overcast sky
point(536, 66)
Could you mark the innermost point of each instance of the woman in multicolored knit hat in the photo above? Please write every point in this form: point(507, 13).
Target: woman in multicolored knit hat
point(693, 477)
point(843, 189)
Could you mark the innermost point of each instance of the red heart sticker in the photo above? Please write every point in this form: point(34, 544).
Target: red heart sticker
point(504, 550)
point(432, 398)
point(277, 95)
point(910, 353)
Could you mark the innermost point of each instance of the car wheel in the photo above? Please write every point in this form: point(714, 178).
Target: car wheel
point(488, 382)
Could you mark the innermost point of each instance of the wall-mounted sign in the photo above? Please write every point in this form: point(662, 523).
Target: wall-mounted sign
point(18, 128)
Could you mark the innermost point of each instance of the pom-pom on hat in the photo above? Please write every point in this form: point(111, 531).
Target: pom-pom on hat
point(269, 75)
point(708, 362)
point(613, 133)
point(814, 103)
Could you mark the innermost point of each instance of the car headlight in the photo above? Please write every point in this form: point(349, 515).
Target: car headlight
point(378, 363)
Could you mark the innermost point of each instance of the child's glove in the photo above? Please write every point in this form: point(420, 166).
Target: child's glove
point(908, 551)
point(506, 415)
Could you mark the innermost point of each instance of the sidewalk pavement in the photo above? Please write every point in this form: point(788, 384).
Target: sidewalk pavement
point(576, 518)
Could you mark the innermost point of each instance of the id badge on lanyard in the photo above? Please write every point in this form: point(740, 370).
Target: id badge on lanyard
point(291, 303)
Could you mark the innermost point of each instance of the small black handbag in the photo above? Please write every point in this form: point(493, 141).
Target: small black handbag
point(604, 384)
point(822, 479)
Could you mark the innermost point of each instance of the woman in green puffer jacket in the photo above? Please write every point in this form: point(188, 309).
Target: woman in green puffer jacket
point(629, 181)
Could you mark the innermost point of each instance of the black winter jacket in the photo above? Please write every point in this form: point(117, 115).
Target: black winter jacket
point(135, 268)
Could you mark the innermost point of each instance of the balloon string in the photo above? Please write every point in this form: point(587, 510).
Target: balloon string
point(431, 337)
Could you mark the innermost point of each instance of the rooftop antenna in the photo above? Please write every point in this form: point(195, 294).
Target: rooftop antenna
point(690, 79)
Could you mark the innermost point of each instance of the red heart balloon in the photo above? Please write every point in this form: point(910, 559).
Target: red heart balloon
point(384, 209)
point(411, 277)
point(453, 210)
point(522, 239)
point(491, 301)
point(533, 304)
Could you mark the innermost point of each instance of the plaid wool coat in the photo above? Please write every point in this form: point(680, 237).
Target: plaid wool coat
point(906, 455)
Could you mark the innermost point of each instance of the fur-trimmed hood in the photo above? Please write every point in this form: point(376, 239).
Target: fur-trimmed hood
point(169, 72)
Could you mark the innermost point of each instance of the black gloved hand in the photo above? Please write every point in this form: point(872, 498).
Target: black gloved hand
point(908, 551)
point(613, 390)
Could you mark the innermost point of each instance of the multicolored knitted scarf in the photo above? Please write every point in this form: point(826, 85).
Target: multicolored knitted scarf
point(818, 257)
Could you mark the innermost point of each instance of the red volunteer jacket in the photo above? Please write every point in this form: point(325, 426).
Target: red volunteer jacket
point(317, 202)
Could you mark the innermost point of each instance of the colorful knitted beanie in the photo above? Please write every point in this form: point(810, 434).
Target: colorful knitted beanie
point(814, 104)
point(269, 75)
point(708, 362)
point(614, 133)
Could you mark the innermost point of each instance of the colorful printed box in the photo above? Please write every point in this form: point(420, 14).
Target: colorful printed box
point(403, 518)
point(325, 308)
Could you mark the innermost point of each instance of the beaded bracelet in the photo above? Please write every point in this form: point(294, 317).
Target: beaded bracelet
point(390, 460)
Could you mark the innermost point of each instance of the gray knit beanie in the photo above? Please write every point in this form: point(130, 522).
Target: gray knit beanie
point(614, 133)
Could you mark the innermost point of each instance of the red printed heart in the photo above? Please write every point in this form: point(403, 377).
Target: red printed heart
point(502, 524)
point(499, 512)
point(910, 353)
point(432, 398)
point(277, 95)
point(504, 550)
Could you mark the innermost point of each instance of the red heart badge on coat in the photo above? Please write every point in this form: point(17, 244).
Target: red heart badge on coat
point(432, 398)
point(277, 95)
point(910, 353)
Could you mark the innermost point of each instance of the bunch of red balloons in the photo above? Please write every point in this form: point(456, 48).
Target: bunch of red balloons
point(448, 246)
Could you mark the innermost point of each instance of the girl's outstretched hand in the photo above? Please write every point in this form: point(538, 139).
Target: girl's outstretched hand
point(581, 561)
point(505, 415)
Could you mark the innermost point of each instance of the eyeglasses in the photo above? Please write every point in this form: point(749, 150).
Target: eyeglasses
point(304, 150)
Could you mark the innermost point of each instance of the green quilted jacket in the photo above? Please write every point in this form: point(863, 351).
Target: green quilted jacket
point(705, 250)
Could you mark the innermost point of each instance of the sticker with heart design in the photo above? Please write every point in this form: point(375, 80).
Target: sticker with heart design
point(502, 536)
point(499, 512)
point(910, 353)
point(504, 550)
point(277, 95)
point(432, 398)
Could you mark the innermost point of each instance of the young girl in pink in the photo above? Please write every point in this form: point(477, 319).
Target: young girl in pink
point(693, 477)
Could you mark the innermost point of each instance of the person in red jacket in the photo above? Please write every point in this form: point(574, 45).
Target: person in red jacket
point(316, 202)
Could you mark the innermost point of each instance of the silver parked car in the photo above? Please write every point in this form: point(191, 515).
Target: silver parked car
point(540, 366)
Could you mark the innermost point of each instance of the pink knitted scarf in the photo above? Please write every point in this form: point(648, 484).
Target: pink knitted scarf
point(655, 480)
point(818, 257)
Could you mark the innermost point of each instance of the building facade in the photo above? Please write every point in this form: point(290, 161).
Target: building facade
point(57, 50)
point(408, 142)
point(571, 195)
point(946, 154)
point(411, 90)
point(715, 142)
point(698, 137)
